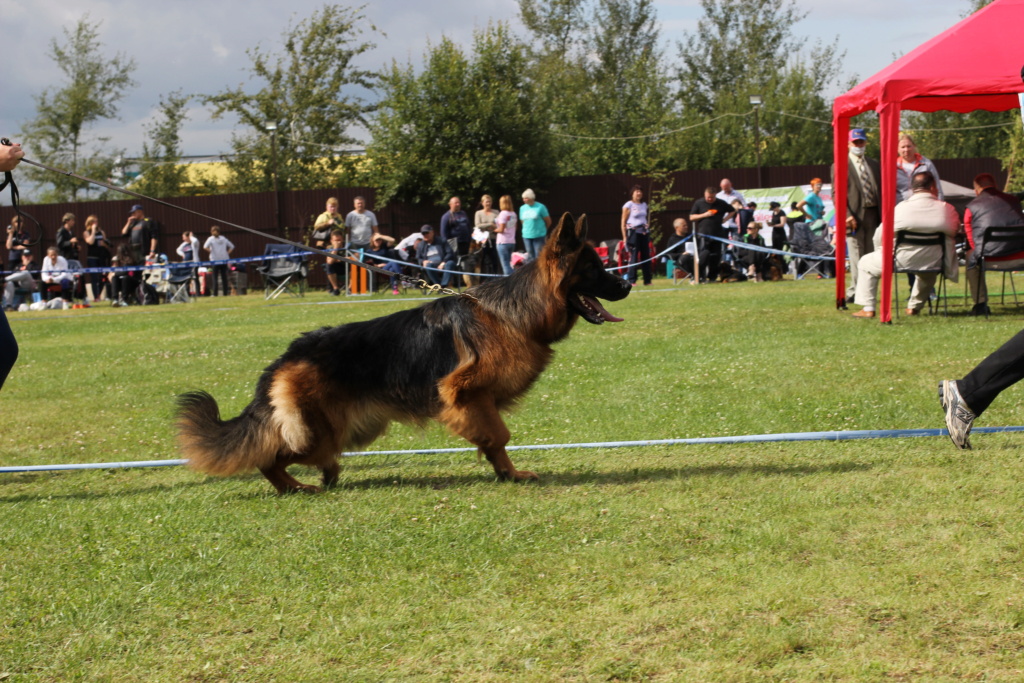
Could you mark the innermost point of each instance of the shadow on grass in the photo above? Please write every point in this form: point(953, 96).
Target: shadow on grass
point(23, 479)
point(569, 479)
point(440, 481)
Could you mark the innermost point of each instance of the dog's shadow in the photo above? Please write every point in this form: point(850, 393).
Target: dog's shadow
point(590, 477)
point(599, 478)
point(88, 495)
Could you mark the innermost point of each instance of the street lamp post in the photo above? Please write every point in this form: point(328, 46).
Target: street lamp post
point(271, 128)
point(755, 102)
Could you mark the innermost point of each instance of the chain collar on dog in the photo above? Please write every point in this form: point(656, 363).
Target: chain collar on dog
point(438, 289)
point(408, 280)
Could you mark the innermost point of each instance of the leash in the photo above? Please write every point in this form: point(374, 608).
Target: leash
point(419, 283)
point(16, 196)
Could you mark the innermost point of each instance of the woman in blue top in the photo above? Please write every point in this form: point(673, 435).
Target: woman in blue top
point(635, 234)
point(813, 207)
point(534, 222)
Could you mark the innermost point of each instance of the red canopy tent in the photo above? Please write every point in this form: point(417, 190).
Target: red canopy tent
point(974, 65)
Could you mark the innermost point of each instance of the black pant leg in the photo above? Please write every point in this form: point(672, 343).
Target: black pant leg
point(8, 348)
point(1003, 368)
point(713, 258)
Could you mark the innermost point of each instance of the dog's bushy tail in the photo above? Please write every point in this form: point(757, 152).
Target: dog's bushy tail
point(221, 447)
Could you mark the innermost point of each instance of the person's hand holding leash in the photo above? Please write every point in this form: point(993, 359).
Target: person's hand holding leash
point(10, 155)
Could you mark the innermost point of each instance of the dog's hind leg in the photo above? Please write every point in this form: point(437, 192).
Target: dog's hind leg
point(278, 475)
point(476, 419)
point(330, 471)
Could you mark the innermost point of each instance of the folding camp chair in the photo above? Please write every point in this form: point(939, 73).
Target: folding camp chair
point(179, 279)
point(802, 240)
point(613, 249)
point(286, 272)
point(936, 265)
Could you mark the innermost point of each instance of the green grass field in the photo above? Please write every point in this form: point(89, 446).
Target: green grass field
point(880, 560)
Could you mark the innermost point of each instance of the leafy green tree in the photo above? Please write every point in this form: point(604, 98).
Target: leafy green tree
point(94, 84)
point(467, 123)
point(311, 93)
point(602, 78)
point(162, 174)
point(743, 48)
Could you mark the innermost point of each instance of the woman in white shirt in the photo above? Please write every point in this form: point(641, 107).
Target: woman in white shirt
point(635, 235)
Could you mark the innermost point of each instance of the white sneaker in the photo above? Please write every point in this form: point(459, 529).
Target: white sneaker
point(959, 417)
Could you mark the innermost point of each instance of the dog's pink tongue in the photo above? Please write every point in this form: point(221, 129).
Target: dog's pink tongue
point(601, 310)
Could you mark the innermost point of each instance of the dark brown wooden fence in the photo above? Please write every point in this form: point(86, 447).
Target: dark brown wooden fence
point(600, 197)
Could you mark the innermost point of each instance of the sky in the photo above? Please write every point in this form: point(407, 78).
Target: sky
point(200, 46)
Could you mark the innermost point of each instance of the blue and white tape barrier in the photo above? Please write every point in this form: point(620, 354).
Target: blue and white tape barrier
point(358, 255)
point(754, 438)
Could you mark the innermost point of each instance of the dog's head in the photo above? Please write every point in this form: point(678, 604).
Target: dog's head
point(583, 278)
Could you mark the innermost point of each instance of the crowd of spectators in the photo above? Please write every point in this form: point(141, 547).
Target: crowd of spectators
point(58, 276)
point(455, 251)
point(725, 232)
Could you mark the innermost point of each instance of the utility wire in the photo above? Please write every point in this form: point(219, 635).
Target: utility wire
point(768, 111)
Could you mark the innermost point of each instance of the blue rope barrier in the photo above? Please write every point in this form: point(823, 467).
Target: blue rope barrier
point(768, 250)
point(164, 265)
point(354, 254)
point(752, 438)
point(736, 244)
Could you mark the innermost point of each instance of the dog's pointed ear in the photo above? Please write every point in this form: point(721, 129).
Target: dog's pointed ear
point(565, 233)
point(581, 228)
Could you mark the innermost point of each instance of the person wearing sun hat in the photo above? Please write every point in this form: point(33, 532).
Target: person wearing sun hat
point(863, 204)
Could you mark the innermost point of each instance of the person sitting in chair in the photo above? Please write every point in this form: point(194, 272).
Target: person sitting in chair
point(22, 278)
point(55, 275)
point(435, 253)
point(990, 209)
point(380, 249)
point(682, 253)
point(754, 262)
point(124, 283)
point(924, 212)
point(335, 267)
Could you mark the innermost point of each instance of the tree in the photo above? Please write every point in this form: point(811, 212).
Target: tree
point(58, 135)
point(162, 175)
point(467, 124)
point(311, 95)
point(602, 79)
point(743, 48)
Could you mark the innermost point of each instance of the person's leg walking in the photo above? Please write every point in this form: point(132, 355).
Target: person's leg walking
point(1001, 369)
point(8, 348)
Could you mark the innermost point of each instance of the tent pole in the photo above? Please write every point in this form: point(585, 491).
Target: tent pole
point(841, 132)
point(889, 124)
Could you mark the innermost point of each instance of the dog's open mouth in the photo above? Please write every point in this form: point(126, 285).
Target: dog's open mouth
point(592, 311)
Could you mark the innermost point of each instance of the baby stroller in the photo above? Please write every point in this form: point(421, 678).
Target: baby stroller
point(803, 240)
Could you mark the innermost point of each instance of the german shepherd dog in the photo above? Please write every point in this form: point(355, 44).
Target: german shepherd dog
point(459, 360)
